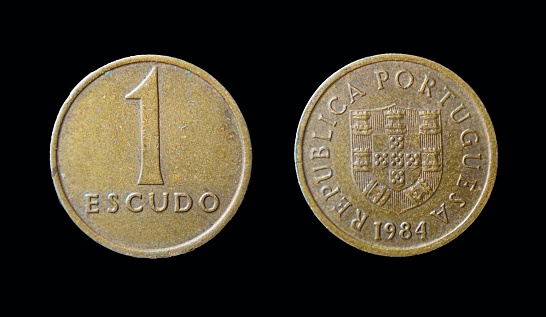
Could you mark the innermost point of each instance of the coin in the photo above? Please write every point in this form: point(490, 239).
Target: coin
point(395, 154)
point(150, 156)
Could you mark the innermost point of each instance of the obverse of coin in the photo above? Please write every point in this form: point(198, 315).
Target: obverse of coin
point(150, 156)
point(395, 154)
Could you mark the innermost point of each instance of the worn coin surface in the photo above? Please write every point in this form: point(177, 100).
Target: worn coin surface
point(395, 154)
point(150, 156)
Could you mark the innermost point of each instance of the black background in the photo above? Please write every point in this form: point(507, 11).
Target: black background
point(275, 247)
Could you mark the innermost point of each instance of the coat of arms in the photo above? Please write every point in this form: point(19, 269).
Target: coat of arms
point(396, 155)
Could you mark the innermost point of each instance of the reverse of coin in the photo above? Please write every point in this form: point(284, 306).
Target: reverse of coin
point(150, 156)
point(396, 155)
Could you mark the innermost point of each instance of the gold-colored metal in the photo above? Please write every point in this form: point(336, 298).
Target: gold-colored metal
point(395, 154)
point(150, 156)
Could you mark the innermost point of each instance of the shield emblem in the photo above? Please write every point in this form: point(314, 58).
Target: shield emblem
point(396, 155)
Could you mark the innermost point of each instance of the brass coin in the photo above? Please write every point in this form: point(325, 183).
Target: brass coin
point(150, 156)
point(395, 154)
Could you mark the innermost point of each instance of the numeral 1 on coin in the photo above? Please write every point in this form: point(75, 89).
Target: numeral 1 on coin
point(146, 92)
